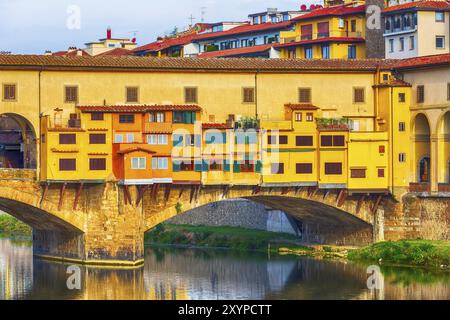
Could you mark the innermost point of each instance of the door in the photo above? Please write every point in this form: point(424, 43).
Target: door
point(424, 170)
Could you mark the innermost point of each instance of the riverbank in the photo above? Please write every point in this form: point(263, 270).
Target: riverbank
point(416, 253)
point(11, 227)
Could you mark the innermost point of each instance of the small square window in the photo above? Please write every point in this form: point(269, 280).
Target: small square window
point(309, 117)
point(304, 95)
point(248, 95)
point(298, 116)
point(440, 16)
point(381, 149)
point(190, 95)
point(401, 126)
point(420, 94)
point(283, 140)
point(9, 92)
point(71, 94)
point(132, 94)
point(358, 95)
point(402, 157)
point(380, 173)
point(401, 97)
point(440, 42)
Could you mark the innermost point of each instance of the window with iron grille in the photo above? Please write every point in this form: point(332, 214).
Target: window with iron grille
point(67, 164)
point(248, 95)
point(358, 95)
point(304, 168)
point(97, 116)
point(97, 164)
point(132, 94)
point(304, 141)
point(97, 138)
point(304, 95)
point(420, 94)
point(71, 94)
point(277, 168)
point(67, 138)
point(190, 95)
point(126, 118)
point(9, 92)
point(333, 168)
point(358, 173)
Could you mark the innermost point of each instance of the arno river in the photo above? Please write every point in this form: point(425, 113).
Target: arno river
point(211, 274)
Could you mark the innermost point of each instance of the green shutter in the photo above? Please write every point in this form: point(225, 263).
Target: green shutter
point(224, 139)
point(193, 117)
point(198, 166)
point(176, 166)
point(236, 167)
point(205, 167)
point(258, 166)
point(226, 166)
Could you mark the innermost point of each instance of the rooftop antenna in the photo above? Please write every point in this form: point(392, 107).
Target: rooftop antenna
point(192, 20)
point(203, 9)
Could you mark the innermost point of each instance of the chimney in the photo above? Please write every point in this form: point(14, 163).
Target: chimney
point(108, 33)
point(79, 52)
point(48, 52)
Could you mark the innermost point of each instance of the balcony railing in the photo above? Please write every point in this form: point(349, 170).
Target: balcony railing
point(444, 187)
point(419, 187)
point(64, 123)
point(329, 124)
point(158, 127)
point(322, 35)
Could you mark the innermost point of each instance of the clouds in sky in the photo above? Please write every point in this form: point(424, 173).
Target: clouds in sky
point(33, 26)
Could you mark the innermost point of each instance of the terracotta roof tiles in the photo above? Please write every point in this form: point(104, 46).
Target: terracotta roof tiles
point(420, 5)
point(235, 52)
point(426, 61)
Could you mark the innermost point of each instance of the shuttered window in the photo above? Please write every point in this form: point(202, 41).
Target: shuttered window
point(9, 92)
point(97, 138)
point(304, 141)
point(190, 95)
point(306, 32)
point(126, 118)
point(71, 93)
point(358, 173)
point(326, 141)
point(132, 94)
point(420, 94)
point(283, 140)
point(277, 168)
point(338, 141)
point(358, 95)
point(303, 168)
point(97, 164)
point(67, 138)
point(333, 168)
point(97, 116)
point(67, 164)
point(304, 95)
point(248, 95)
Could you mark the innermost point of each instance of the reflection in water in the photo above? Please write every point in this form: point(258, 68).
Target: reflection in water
point(210, 274)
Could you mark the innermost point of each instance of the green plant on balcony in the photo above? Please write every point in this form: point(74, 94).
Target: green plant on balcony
point(247, 123)
point(211, 48)
point(338, 123)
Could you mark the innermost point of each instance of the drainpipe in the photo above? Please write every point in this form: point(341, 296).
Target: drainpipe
point(377, 100)
point(256, 94)
point(39, 135)
point(391, 129)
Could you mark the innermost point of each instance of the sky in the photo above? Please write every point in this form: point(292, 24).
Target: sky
point(33, 26)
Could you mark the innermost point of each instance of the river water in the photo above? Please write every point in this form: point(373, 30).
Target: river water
point(210, 274)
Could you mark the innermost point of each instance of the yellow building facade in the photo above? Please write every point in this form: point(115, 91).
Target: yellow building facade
point(311, 120)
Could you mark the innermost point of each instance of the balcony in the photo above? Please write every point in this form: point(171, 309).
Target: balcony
point(64, 124)
point(333, 124)
point(444, 187)
point(320, 35)
point(158, 127)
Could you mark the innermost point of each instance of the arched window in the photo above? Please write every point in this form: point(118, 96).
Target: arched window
point(388, 24)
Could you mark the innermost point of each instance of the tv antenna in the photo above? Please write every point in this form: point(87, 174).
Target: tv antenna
point(191, 18)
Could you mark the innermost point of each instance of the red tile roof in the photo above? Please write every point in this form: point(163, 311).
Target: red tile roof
point(341, 10)
point(138, 108)
point(246, 28)
point(135, 149)
point(320, 40)
point(420, 5)
point(301, 106)
point(235, 52)
point(117, 52)
point(215, 126)
point(166, 43)
point(146, 64)
point(426, 61)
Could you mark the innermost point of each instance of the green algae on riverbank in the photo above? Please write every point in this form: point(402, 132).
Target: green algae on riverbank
point(11, 227)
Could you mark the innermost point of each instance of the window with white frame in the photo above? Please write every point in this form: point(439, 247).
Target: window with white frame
point(162, 139)
point(160, 163)
point(118, 138)
point(440, 42)
point(130, 137)
point(152, 139)
point(138, 163)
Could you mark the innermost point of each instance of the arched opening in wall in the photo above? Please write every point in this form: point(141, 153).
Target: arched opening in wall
point(444, 151)
point(306, 221)
point(422, 149)
point(18, 148)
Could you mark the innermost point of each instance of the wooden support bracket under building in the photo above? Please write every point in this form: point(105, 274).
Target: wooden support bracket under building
point(62, 191)
point(377, 203)
point(285, 190)
point(181, 192)
point(256, 190)
point(312, 191)
point(140, 193)
point(197, 192)
point(126, 195)
point(44, 193)
point(226, 190)
point(167, 191)
point(326, 193)
point(77, 195)
point(360, 203)
point(341, 198)
point(155, 192)
point(191, 196)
